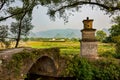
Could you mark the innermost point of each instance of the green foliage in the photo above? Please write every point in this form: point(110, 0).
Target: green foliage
point(25, 27)
point(115, 30)
point(107, 50)
point(108, 40)
point(69, 48)
point(115, 34)
point(79, 68)
point(21, 28)
point(25, 39)
point(116, 19)
point(100, 35)
point(62, 7)
point(23, 16)
point(3, 32)
point(17, 61)
point(15, 10)
point(117, 50)
point(7, 43)
point(108, 54)
point(117, 40)
point(102, 69)
point(54, 6)
point(75, 39)
point(3, 35)
point(107, 69)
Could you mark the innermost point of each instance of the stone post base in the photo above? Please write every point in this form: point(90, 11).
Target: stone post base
point(88, 49)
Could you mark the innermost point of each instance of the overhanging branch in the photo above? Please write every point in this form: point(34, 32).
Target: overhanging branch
point(27, 9)
point(112, 8)
point(2, 4)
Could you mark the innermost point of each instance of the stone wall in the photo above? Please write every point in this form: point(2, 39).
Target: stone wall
point(89, 49)
point(16, 63)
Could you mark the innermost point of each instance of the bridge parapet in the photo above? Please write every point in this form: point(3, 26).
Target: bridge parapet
point(16, 63)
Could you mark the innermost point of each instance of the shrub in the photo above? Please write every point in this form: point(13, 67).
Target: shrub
point(80, 68)
point(118, 50)
point(103, 69)
point(107, 69)
point(108, 54)
point(117, 40)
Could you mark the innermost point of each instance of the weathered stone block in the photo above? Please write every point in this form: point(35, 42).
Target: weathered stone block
point(88, 35)
point(88, 49)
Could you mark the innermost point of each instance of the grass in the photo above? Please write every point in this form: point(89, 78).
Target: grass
point(73, 48)
point(106, 50)
point(70, 48)
point(65, 47)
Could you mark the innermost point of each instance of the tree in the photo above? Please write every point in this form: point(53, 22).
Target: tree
point(58, 6)
point(7, 8)
point(100, 35)
point(115, 29)
point(19, 32)
point(3, 32)
point(116, 20)
point(62, 6)
point(24, 16)
point(17, 12)
point(115, 33)
point(54, 6)
point(4, 6)
point(4, 35)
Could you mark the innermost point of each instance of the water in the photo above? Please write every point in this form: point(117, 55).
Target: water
point(40, 77)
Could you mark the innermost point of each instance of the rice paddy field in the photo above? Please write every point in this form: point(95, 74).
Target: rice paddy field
point(73, 48)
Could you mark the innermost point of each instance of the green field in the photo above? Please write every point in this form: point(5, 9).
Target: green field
point(73, 48)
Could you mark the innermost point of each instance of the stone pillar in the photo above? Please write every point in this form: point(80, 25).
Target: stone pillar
point(88, 42)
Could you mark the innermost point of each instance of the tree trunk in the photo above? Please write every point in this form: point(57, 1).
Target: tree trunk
point(19, 32)
point(17, 41)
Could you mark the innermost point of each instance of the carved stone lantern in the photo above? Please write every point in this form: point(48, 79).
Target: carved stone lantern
point(88, 42)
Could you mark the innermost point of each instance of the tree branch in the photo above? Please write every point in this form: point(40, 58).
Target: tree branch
point(28, 8)
point(3, 3)
point(103, 6)
point(91, 3)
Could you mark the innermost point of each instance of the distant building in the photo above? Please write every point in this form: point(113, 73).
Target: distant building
point(57, 40)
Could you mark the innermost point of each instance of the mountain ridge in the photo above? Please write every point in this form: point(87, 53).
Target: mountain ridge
point(61, 33)
point(58, 33)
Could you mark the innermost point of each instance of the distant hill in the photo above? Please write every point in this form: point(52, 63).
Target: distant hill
point(61, 33)
point(58, 33)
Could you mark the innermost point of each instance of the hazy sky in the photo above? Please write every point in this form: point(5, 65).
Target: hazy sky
point(42, 22)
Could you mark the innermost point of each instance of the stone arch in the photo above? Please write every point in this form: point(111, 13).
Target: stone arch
point(43, 66)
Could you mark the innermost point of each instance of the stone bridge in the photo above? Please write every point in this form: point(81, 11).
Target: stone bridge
point(16, 63)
